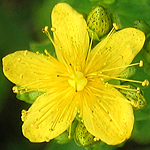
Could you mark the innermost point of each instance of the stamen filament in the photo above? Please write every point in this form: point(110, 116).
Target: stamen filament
point(144, 83)
point(135, 64)
point(45, 30)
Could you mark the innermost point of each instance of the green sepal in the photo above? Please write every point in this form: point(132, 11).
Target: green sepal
point(82, 137)
point(29, 97)
point(99, 20)
point(142, 25)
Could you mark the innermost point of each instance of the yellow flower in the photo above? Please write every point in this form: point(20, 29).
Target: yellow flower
point(76, 82)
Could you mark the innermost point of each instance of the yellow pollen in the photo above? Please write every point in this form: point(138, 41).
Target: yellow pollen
point(116, 26)
point(138, 90)
point(45, 29)
point(53, 29)
point(15, 89)
point(145, 83)
point(141, 63)
point(78, 81)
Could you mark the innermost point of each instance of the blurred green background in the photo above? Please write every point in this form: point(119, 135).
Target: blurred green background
point(20, 26)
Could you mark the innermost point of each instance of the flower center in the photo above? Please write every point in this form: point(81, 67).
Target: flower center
point(78, 81)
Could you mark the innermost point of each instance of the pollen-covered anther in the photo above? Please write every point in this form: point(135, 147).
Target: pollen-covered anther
point(15, 89)
point(116, 26)
point(45, 29)
point(138, 90)
point(37, 52)
point(24, 115)
point(141, 63)
point(96, 139)
point(53, 29)
point(145, 83)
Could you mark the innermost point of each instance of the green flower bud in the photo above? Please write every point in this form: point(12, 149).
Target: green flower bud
point(82, 137)
point(136, 98)
point(99, 21)
point(142, 25)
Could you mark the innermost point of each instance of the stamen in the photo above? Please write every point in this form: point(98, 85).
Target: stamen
point(135, 64)
point(102, 45)
point(141, 63)
point(138, 90)
point(145, 83)
point(45, 30)
point(47, 53)
point(15, 89)
point(69, 136)
point(90, 47)
point(116, 26)
point(53, 29)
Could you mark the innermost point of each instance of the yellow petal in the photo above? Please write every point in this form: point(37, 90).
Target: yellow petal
point(70, 34)
point(50, 115)
point(118, 49)
point(107, 115)
point(31, 70)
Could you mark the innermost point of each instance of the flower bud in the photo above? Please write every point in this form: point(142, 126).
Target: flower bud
point(82, 137)
point(99, 21)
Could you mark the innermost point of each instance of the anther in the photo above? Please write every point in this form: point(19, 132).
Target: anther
point(47, 53)
point(53, 29)
point(96, 139)
point(15, 89)
point(141, 63)
point(37, 52)
point(116, 26)
point(45, 29)
point(24, 115)
point(145, 83)
point(138, 90)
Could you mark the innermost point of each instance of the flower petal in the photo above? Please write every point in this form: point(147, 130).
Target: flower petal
point(118, 49)
point(70, 34)
point(50, 115)
point(108, 117)
point(31, 70)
